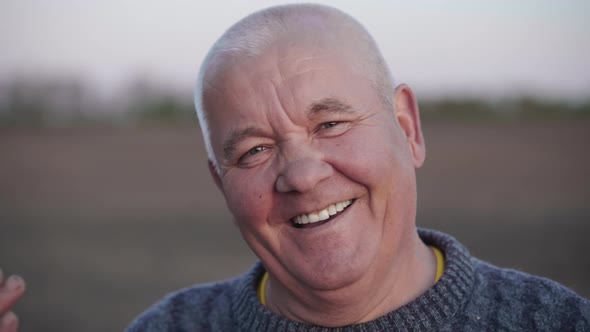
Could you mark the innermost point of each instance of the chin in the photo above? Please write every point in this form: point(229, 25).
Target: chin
point(335, 271)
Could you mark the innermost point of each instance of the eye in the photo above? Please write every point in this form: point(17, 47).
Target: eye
point(252, 156)
point(255, 150)
point(330, 124)
point(332, 128)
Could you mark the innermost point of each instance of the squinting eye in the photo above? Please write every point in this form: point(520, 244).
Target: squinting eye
point(332, 128)
point(254, 156)
point(251, 156)
point(330, 124)
point(255, 150)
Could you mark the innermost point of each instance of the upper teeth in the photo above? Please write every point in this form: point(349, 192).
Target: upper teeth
point(322, 214)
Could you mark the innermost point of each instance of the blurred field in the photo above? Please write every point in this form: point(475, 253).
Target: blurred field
point(103, 222)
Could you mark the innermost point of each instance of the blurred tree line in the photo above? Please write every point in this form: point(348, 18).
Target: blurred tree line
point(69, 102)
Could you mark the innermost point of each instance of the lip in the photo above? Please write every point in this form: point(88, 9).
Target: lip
point(319, 223)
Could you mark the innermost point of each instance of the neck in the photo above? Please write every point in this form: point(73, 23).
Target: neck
point(381, 290)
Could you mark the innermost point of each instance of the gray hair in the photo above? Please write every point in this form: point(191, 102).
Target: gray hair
point(252, 35)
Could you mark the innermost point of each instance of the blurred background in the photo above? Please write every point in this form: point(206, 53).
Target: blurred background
point(105, 199)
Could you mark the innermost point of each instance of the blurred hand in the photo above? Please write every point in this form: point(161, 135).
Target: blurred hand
point(11, 289)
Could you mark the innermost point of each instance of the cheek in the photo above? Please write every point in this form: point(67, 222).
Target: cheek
point(375, 158)
point(248, 196)
point(364, 154)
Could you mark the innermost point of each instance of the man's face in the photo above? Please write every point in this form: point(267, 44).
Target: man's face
point(300, 136)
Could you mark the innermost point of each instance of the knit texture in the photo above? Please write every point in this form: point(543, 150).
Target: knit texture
point(471, 295)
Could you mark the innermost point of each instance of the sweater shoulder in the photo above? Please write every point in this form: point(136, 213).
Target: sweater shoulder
point(513, 299)
point(203, 307)
point(514, 282)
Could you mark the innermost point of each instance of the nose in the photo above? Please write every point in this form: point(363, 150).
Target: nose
point(302, 169)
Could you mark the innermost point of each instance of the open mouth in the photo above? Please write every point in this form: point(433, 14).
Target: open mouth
point(320, 217)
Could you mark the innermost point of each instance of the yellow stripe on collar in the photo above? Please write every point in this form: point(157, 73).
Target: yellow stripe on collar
point(262, 288)
point(440, 263)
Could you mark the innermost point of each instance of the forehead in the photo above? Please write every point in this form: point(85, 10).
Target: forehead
point(284, 81)
point(278, 65)
point(284, 66)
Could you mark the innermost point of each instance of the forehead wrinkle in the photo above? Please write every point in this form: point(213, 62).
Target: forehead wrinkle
point(288, 69)
point(302, 64)
point(301, 61)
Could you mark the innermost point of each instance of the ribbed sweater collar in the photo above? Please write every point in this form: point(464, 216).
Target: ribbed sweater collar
point(437, 306)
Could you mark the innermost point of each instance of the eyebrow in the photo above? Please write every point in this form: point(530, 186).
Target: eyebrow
point(236, 135)
point(329, 105)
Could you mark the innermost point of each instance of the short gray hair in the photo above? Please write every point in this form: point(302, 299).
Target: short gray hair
point(252, 35)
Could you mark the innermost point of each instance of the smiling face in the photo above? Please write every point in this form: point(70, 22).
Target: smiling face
point(317, 172)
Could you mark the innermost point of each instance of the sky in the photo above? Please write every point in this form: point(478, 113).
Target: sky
point(440, 48)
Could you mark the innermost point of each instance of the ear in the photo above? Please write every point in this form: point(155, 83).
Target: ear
point(408, 117)
point(215, 175)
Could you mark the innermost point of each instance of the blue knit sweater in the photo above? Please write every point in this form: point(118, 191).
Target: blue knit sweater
point(471, 295)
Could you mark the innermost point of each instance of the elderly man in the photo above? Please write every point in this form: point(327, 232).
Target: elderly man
point(315, 152)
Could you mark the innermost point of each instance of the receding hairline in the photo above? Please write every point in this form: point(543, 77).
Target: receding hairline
point(254, 34)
